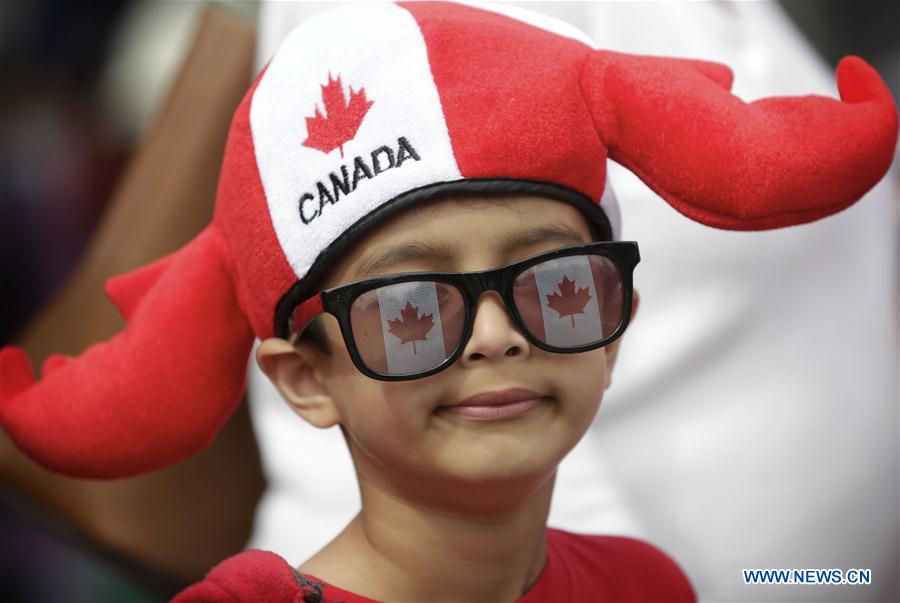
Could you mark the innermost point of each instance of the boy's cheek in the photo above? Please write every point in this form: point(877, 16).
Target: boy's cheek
point(582, 382)
point(389, 437)
point(378, 411)
point(577, 375)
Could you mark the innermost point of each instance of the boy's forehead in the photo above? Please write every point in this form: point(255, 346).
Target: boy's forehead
point(452, 226)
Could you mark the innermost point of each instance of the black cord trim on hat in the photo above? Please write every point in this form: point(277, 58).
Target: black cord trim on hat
point(312, 591)
point(306, 286)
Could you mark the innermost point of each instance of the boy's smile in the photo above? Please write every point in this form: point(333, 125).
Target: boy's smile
point(496, 405)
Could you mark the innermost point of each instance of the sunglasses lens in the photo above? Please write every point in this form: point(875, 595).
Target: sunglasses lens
point(572, 301)
point(407, 328)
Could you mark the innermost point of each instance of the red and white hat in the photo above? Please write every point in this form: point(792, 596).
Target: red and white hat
point(370, 108)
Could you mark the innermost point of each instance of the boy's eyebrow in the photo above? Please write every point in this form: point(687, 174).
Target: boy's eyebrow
point(415, 249)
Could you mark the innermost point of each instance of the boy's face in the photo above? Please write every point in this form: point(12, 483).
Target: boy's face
point(401, 432)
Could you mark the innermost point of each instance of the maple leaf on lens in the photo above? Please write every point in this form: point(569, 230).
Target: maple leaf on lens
point(341, 120)
point(410, 326)
point(567, 302)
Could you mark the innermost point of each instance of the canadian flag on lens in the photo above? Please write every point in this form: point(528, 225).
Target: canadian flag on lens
point(412, 326)
point(563, 290)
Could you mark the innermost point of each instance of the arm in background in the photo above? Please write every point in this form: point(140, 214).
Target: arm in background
point(182, 520)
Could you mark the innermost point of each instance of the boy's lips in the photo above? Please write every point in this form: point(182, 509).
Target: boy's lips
point(495, 405)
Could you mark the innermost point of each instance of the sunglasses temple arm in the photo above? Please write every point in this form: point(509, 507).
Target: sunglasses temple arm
point(305, 313)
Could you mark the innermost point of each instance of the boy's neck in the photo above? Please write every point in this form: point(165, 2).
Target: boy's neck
point(400, 551)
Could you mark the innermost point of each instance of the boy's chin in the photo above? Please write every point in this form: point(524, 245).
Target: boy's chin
point(481, 487)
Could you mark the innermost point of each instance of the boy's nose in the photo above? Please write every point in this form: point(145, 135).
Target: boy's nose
point(494, 334)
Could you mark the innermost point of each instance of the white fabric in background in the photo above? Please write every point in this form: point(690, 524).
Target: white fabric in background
point(753, 416)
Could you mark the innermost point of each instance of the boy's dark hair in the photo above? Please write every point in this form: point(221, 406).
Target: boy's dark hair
point(315, 333)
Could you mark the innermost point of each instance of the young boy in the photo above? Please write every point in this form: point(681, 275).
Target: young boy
point(456, 491)
point(432, 175)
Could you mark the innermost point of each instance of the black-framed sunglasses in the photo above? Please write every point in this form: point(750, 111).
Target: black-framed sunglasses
point(414, 324)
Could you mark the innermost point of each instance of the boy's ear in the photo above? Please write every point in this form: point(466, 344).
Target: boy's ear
point(296, 371)
point(612, 350)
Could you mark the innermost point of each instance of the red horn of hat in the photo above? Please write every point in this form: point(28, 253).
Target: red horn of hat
point(121, 407)
point(736, 165)
point(160, 390)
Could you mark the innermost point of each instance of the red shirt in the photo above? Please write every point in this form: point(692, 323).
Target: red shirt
point(579, 568)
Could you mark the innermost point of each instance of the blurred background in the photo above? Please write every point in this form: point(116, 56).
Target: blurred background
point(80, 84)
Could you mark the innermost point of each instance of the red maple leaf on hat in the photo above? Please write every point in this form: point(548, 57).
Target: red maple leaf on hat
point(341, 120)
point(410, 326)
point(567, 302)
